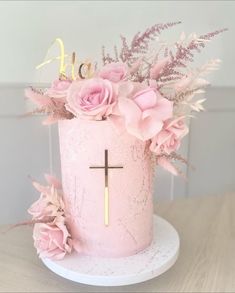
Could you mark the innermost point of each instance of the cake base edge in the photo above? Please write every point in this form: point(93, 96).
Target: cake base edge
point(160, 256)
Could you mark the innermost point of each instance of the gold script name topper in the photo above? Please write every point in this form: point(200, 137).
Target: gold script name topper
point(71, 68)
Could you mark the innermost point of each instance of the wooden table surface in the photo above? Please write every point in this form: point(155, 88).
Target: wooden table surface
point(206, 263)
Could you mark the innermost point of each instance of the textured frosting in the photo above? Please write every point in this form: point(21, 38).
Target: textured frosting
point(82, 144)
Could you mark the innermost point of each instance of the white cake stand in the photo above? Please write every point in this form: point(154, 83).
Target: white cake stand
point(147, 264)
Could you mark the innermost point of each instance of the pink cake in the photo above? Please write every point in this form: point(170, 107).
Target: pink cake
point(118, 118)
point(83, 144)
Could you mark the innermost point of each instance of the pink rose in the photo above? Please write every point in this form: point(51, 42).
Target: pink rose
point(114, 72)
point(59, 88)
point(52, 240)
point(143, 114)
point(93, 98)
point(169, 138)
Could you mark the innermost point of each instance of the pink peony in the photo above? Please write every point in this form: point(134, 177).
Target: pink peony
point(52, 240)
point(114, 72)
point(169, 138)
point(59, 88)
point(93, 98)
point(143, 113)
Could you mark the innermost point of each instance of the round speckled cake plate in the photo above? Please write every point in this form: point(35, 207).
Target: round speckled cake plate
point(148, 264)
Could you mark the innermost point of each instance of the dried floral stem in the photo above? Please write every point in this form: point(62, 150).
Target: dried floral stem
point(26, 223)
point(138, 45)
point(185, 54)
point(178, 98)
point(140, 42)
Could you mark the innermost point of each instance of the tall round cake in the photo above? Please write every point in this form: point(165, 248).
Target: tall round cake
point(107, 183)
point(117, 119)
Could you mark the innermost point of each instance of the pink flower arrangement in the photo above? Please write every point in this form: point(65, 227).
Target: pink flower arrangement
point(144, 93)
point(150, 95)
point(51, 236)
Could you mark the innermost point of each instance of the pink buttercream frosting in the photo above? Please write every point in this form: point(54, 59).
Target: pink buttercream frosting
point(82, 144)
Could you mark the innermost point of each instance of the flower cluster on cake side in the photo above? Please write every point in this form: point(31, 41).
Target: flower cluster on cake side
point(51, 236)
point(147, 89)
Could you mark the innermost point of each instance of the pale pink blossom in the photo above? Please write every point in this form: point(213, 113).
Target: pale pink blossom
point(166, 164)
point(92, 98)
point(169, 138)
point(143, 114)
point(158, 67)
point(53, 181)
point(53, 106)
point(114, 72)
point(41, 210)
point(51, 236)
point(59, 88)
point(52, 240)
point(189, 82)
point(135, 67)
point(50, 204)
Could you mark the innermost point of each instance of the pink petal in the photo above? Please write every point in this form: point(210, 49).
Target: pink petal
point(163, 137)
point(167, 165)
point(146, 99)
point(125, 88)
point(118, 122)
point(39, 187)
point(52, 180)
point(76, 245)
point(157, 68)
point(130, 111)
point(136, 65)
point(149, 127)
point(164, 109)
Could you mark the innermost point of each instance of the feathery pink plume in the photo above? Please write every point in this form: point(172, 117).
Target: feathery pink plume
point(38, 98)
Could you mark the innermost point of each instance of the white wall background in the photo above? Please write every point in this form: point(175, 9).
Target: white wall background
point(28, 28)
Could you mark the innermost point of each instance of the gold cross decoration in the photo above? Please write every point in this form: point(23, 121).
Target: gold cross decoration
point(106, 168)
